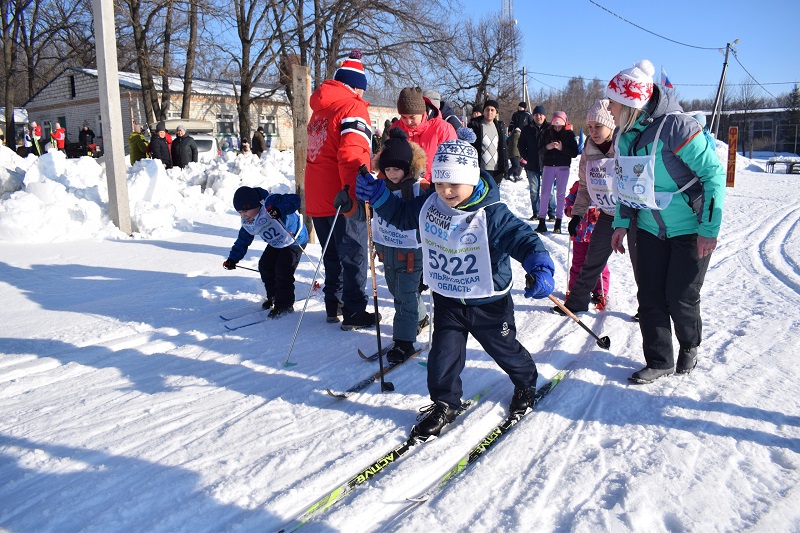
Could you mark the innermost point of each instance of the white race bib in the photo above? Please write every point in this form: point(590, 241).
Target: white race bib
point(270, 230)
point(600, 183)
point(388, 235)
point(455, 247)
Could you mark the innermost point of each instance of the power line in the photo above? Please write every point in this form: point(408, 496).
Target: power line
point(676, 84)
point(736, 57)
point(652, 32)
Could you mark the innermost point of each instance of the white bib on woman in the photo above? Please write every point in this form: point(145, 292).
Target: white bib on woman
point(600, 183)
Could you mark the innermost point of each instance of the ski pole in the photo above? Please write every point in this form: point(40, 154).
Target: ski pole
point(385, 385)
point(569, 265)
point(308, 296)
point(247, 268)
point(603, 342)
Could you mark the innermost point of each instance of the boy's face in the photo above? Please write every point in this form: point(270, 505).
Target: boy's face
point(249, 214)
point(454, 193)
point(394, 174)
point(412, 121)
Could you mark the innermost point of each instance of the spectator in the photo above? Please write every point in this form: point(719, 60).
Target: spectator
point(521, 117)
point(137, 145)
point(558, 147)
point(86, 136)
point(476, 112)
point(490, 141)
point(339, 138)
point(159, 148)
point(183, 149)
point(512, 147)
point(678, 200)
point(259, 144)
point(59, 136)
point(426, 132)
point(245, 148)
point(36, 136)
point(531, 160)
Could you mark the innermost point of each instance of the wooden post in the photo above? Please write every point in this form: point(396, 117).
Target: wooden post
point(301, 113)
point(733, 139)
point(111, 114)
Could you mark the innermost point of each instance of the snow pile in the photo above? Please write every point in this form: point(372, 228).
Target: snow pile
point(52, 198)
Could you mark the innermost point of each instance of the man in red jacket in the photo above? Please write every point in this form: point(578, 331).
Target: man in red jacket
point(59, 136)
point(339, 142)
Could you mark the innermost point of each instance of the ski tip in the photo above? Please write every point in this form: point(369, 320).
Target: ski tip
point(367, 357)
point(287, 364)
point(338, 395)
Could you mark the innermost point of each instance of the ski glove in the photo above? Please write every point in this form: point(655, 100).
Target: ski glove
point(229, 265)
point(539, 281)
point(343, 201)
point(371, 189)
point(573, 225)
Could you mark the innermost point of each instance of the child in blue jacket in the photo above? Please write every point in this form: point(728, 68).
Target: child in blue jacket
point(275, 219)
point(468, 236)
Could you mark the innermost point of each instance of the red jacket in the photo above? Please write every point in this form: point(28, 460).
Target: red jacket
point(339, 142)
point(429, 135)
point(59, 136)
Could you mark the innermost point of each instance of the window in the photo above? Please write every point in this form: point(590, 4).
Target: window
point(762, 129)
point(225, 124)
point(270, 125)
point(72, 91)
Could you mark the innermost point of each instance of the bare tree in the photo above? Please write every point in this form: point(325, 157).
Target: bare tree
point(746, 98)
point(11, 28)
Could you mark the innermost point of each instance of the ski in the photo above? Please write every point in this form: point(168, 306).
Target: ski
point(489, 440)
point(367, 474)
point(369, 380)
point(249, 322)
point(384, 351)
point(233, 315)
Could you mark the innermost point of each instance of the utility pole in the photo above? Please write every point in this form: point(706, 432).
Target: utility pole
point(714, 126)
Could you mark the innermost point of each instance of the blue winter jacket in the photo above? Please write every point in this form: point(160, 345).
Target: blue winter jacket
point(509, 236)
point(287, 204)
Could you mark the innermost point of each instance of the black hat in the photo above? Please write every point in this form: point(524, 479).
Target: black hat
point(261, 129)
point(246, 198)
point(492, 103)
point(523, 105)
point(539, 110)
point(161, 126)
point(396, 151)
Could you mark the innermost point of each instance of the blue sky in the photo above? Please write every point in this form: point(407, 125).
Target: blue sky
point(578, 38)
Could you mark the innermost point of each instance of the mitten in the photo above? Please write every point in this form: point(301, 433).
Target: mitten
point(273, 212)
point(369, 189)
point(342, 200)
point(572, 228)
point(229, 264)
point(539, 281)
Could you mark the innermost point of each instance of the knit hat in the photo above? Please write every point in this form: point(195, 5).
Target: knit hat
point(633, 87)
point(433, 96)
point(456, 160)
point(246, 198)
point(161, 126)
point(352, 72)
point(523, 105)
point(181, 128)
point(410, 102)
point(492, 103)
point(539, 110)
point(559, 117)
point(599, 113)
point(396, 151)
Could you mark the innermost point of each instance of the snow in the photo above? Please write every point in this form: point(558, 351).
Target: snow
point(126, 404)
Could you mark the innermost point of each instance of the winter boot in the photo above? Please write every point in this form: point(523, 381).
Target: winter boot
point(557, 226)
point(434, 418)
point(333, 310)
point(542, 227)
point(649, 375)
point(278, 312)
point(401, 351)
point(522, 400)
point(267, 305)
point(358, 320)
point(687, 360)
point(422, 324)
point(599, 300)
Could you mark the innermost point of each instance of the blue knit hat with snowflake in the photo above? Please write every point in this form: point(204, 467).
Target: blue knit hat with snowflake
point(456, 161)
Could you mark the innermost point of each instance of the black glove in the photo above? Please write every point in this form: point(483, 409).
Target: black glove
point(273, 212)
point(343, 201)
point(229, 265)
point(573, 225)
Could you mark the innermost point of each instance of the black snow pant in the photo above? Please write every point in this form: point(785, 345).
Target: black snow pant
point(670, 276)
point(345, 260)
point(596, 258)
point(277, 267)
point(492, 325)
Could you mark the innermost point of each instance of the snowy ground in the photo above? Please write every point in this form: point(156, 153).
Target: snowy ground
point(128, 406)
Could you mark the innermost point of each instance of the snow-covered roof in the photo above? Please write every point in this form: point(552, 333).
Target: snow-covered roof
point(20, 115)
point(131, 80)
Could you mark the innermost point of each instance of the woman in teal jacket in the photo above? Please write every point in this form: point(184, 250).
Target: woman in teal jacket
point(670, 178)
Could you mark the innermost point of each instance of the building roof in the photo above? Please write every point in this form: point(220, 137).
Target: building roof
point(131, 80)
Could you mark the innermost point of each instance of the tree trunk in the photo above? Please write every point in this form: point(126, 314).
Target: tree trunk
point(191, 53)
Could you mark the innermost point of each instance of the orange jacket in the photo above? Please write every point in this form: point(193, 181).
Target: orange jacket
point(429, 135)
point(339, 142)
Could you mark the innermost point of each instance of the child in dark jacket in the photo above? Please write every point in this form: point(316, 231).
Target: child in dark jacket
point(275, 219)
point(468, 236)
point(402, 164)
